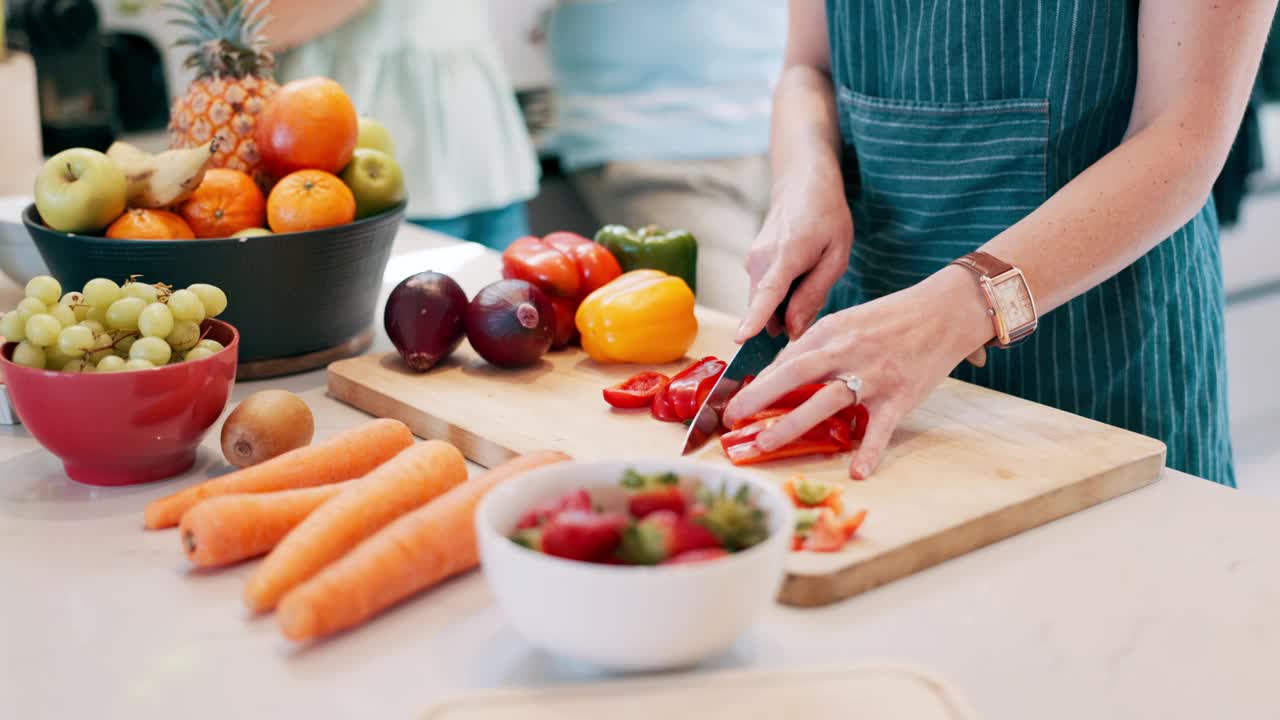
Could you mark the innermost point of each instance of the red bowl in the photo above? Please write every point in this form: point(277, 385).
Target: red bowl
point(125, 428)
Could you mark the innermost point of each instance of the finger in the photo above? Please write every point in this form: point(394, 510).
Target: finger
point(826, 402)
point(769, 293)
point(880, 426)
point(773, 383)
point(811, 296)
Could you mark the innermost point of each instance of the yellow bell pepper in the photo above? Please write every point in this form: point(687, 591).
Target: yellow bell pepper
point(644, 316)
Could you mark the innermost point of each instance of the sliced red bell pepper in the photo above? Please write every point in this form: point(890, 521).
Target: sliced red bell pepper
point(533, 260)
point(636, 391)
point(597, 266)
point(662, 408)
point(826, 438)
point(805, 493)
point(692, 385)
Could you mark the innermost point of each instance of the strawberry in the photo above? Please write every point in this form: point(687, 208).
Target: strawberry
point(733, 519)
point(583, 535)
point(662, 535)
point(830, 532)
point(544, 511)
point(650, 493)
point(696, 556)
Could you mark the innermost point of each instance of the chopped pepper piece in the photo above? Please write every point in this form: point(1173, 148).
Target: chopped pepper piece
point(691, 386)
point(636, 391)
point(644, 316)
point(805, 493)
point(831, 532)
point(674, 252)
point(826, 438)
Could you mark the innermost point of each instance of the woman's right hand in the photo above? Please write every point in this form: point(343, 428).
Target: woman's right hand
point(808, 230)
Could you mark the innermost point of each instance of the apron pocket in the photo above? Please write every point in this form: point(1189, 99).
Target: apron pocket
point(929, 182)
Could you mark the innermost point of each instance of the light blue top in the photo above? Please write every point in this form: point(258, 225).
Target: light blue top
point(664, 79)
point(430, 71)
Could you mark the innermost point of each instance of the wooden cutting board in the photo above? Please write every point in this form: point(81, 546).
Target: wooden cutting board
point(869, 692)
point(969, 467)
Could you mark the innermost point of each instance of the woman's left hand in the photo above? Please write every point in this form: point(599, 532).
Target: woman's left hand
point(901, 346)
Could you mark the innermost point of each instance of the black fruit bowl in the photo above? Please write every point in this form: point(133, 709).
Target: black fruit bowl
point(289, 294)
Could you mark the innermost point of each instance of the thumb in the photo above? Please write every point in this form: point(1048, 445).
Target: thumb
point(880, 426)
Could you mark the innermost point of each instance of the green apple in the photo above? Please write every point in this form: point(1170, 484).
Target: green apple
point(373, 135)
point(251, 232)
point(80, 191)
point(375, 179)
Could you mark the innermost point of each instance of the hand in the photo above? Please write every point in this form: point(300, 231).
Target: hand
point(808, 230)
point(901, 346)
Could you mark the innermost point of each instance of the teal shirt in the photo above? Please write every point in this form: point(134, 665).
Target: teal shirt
point(959, 119)
point(664, 79)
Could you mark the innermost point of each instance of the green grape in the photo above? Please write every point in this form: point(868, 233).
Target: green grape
point(55, 359)
point(43, 329)
point(186, 305)
point(184, 336)
point(142, 291)
point(210, 345)
point(111, 363)
point(75, 301)
point(29, 355)
point(98, 315)
point(198, 353)
point(152, 349)
point(97, 355)
point(64, 315)
point(214, 300)
point(101, 292)
point(78, 365)
point(12, 327)
point(155, 321)
point(123, 313)
point(138, 364)
point(93, 325)
point(75, 340)
point(28, 307)
point(45, 289)
point(125, 344)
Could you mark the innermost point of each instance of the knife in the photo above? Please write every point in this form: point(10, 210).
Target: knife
point(753, 356)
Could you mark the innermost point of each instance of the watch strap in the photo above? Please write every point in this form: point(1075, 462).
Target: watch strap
point(983, 264)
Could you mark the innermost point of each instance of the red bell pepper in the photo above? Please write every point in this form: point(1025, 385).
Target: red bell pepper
point(636, 391)
point(690, 388)
point(831, 532)
point(855, 415)
point(826, 438)
point(567, 267)
point(662, 408)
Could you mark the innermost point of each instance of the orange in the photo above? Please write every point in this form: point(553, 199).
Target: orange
point(141, 224)
point(309, 200)
point(226, 202)
point(307, 124)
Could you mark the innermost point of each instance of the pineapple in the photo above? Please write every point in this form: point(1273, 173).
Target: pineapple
point(232, 84)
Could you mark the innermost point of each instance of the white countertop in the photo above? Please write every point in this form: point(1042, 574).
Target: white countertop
point(1162, 603)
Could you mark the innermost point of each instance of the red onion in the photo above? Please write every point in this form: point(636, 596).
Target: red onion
point(511, 323)
point(424, 318)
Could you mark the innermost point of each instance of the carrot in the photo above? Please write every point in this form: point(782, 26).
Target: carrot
point(406, 481)
point(230, 528)
point(347, 455)
point(420, 549)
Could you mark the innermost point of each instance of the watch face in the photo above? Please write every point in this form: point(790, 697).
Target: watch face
point(1015, 302)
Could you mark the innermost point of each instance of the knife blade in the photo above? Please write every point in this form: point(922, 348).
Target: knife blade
point(753, 356)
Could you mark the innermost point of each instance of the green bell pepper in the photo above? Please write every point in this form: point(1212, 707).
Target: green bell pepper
point(674, 252)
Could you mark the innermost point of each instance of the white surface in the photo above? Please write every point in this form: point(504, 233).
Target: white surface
point(628, 617)
point(1159, 604)
point(19, 258)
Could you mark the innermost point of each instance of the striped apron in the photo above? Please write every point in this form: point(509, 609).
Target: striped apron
point(960, 117)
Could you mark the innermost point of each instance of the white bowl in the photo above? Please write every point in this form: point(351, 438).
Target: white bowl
point(626, 617)
point(19, 258)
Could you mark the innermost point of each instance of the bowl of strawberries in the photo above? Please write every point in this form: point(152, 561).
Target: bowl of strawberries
point(638, 565)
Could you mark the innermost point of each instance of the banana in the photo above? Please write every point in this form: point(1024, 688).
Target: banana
point(157, 181)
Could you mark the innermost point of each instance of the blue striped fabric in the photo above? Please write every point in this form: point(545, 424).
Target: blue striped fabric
point(959, 118)
point(664, 79)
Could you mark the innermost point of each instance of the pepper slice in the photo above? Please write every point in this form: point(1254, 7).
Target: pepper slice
point(636, 391)
point(826, 438)
point(662, 408)
point(692, 385)
point(831, 532)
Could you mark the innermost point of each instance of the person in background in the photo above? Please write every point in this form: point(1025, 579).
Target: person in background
point(663, 118)
point(431, 73)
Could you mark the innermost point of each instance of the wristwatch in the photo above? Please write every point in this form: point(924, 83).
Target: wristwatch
point(1009, 301)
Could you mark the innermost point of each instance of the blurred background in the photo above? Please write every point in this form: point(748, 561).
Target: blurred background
point(87, 72)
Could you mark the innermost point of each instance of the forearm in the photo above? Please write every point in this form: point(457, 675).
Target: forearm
point(294, 22)
point(805, 135)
